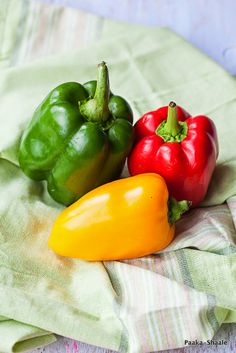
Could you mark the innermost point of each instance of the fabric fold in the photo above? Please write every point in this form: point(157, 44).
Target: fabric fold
point(18, 337)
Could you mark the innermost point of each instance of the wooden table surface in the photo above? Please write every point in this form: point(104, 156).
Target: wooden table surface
point(207, 24)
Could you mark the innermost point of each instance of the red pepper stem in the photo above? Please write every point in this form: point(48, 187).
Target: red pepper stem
point(172, 125)
point(176, 209)
point(96, 108)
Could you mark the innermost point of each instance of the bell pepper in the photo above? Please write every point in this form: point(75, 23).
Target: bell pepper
point(123, 219)
point(79, 138)
point(181, 148)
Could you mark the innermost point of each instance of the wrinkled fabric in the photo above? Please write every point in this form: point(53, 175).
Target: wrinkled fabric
point(182, 293)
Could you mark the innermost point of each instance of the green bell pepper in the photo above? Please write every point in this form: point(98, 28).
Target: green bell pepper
point(79, 138)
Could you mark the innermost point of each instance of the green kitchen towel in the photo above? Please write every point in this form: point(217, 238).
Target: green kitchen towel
point(182, 293)
point(17, 337)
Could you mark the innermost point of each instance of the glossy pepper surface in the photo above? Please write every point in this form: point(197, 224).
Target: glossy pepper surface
point(123, 219)
point(79, 138)
point(181, 148)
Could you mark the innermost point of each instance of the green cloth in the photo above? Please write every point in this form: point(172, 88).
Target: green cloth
point(17, 337)
point(185, 292)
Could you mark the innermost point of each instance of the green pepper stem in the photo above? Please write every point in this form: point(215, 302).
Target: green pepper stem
point(176, 209)
point(102, 93)
point(96, 109)
point(172, 126)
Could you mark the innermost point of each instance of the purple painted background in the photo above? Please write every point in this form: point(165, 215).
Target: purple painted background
point(208, 24)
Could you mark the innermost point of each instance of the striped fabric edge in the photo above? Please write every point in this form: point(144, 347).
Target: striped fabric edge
point(31, 30)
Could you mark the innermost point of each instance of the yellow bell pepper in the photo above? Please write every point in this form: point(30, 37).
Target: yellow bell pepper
point(124, 219)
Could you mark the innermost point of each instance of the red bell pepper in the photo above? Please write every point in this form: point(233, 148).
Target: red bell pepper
point(181, 148)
